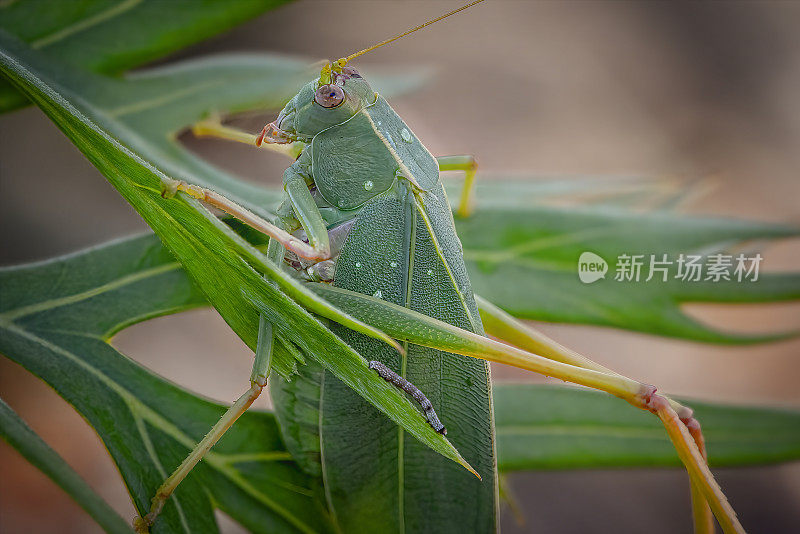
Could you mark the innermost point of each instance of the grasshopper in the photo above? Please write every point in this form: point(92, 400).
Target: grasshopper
point(365, 220)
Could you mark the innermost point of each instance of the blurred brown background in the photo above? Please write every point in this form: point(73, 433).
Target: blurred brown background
point(685, 90)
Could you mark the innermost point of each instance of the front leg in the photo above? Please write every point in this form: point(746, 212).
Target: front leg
point(212, 127)
point(295, 183)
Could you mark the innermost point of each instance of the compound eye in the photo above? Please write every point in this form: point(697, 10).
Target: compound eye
point(329, 96)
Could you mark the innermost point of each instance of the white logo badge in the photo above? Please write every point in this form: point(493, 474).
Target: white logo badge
point(591, 267)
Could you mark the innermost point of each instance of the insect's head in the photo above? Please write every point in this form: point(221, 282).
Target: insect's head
point(338, 94)
point(329, 100)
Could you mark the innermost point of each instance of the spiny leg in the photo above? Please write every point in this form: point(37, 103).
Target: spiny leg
point(258, 380)
point(503, 326)
point(470, 167)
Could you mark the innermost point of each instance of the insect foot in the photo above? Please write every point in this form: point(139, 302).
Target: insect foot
point(426, 405)
point(141, 526)
point(169, 187)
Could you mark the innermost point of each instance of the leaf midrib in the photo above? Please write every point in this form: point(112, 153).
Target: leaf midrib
point(618, 431)
point(17, 313)
point(85, 24)
point(138, 106)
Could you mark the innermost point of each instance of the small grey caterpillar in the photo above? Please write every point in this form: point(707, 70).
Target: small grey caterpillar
point(390, 376)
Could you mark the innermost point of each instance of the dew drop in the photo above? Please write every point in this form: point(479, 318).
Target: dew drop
point(377, 294)
point(368, 185)
point(358, 264)
point(406, 135)
point(430, 272)
point(342, 203)
point(393, 264)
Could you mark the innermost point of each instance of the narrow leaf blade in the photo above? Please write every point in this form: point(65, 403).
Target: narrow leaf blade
point(22, 438)
point(557, 427)
point(111, 37)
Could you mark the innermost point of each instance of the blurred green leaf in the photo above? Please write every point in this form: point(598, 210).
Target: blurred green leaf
point(111, 36)
point(525, 260)
point(558, 427)
point(228, 269)
point(56, 320)
point(22, 438)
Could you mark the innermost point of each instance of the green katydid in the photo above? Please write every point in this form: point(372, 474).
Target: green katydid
point(366, 224)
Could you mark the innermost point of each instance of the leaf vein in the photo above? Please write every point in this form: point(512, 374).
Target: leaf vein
point(89, 22)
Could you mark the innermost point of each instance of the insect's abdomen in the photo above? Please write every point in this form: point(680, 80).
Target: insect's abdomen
point(376, 475)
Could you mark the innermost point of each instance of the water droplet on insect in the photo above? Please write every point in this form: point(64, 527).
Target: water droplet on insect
point(393, 264)
point(377, 294)
point(342, 203)
point(430, 272)
point(378, 123)
point(358, 264)
point(368, 185)
point(406, 135)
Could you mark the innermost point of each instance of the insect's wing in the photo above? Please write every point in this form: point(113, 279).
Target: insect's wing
point(375, 474)
point(414, 160)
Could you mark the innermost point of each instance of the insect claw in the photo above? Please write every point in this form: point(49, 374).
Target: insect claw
point(260, 138)
point(280, 137)
point(169, 187)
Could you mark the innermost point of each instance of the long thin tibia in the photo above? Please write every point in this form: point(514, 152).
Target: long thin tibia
point(296, 245)
point(258, 380)
point(470, 167)
point(685, 434)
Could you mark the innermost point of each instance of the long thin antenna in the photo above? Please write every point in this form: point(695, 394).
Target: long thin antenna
point(412, 30)
point(325, 75)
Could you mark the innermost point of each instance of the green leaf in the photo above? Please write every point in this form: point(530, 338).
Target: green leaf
point(20, 436)
point(56, 320)
point(525, 260)
point(228, 270)
point(111, 36)
point(557, 427)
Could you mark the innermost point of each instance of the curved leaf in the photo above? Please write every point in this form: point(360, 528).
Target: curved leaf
point(56, 319)
point(525, 260)
point(557, 427)
point(37, 452)
point(110, 36)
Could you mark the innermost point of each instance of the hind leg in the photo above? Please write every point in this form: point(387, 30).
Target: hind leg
point(258, 380)
point(503, 326)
